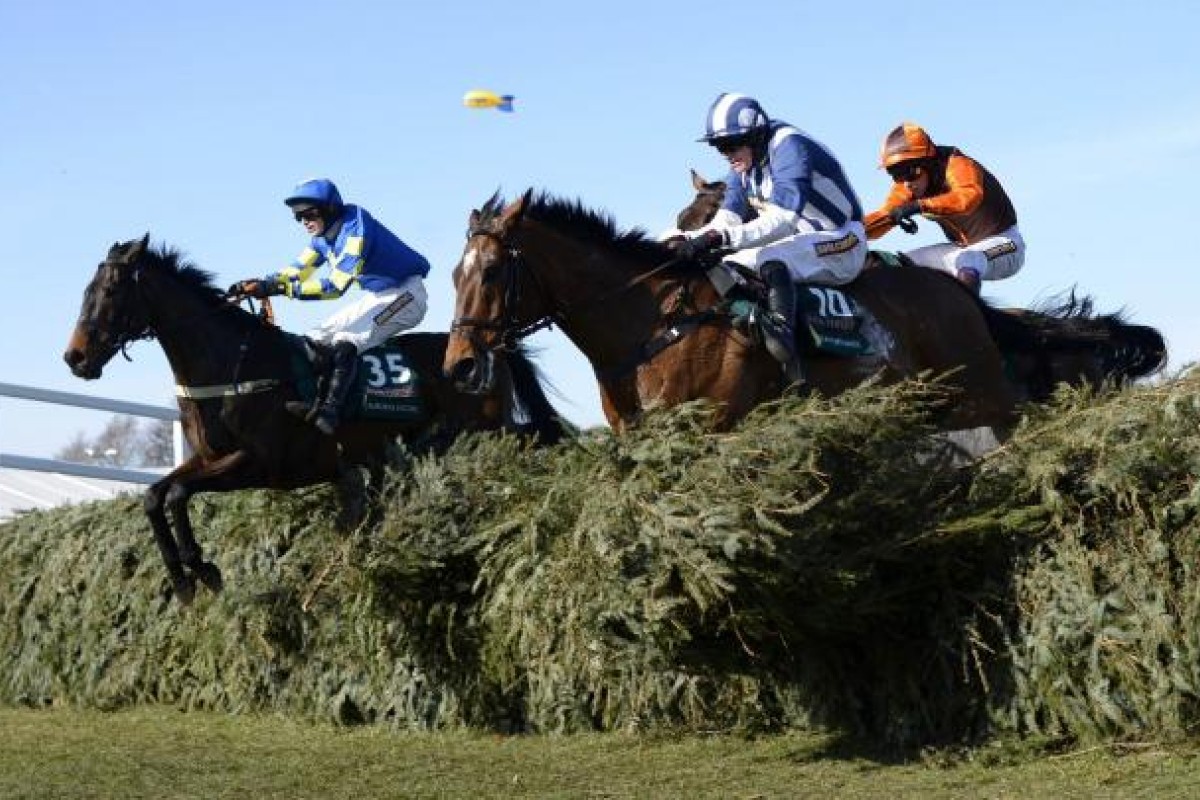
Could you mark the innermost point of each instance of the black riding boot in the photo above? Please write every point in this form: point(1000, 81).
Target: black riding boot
point(319, 355)
point(345, 364)
point(778, 324)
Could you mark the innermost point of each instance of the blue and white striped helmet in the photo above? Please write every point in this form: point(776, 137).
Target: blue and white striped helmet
point(319, 192)
point(734, 115)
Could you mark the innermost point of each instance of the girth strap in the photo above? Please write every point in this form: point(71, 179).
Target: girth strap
point(651, 348)
point(225, 389)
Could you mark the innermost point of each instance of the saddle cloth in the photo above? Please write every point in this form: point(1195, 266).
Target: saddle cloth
point(386, 386)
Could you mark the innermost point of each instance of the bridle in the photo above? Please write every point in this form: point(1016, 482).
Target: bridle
point(126, 323)
point(510, 330)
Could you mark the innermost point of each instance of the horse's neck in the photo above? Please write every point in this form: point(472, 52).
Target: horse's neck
point(600, 312)
point(202, 345)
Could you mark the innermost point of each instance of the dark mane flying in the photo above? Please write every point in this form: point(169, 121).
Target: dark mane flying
point(573, 219)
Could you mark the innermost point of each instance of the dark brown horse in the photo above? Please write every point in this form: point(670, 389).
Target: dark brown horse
point(1062, 341)
point(234, 372)
point(656, 333)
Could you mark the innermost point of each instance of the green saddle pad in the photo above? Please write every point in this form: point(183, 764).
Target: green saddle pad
point(386, 386)
point(832, 320)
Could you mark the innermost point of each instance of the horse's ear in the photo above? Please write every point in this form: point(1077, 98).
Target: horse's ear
point(698, 181)
point(473, 221)
point(137, 247)
point(515, 210)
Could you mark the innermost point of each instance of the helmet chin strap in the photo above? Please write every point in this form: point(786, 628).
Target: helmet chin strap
point(333, 225)
point(759, 140)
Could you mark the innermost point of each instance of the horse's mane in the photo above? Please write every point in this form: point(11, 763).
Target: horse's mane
point(173, 261)
point(572, 218)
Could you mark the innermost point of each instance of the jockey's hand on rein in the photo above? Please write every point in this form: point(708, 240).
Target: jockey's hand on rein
point(904, 212)
point(901, 216)
point(254, 288)
point(696, 246)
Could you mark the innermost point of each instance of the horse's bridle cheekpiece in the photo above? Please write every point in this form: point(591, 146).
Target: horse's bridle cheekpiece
point(510, 331)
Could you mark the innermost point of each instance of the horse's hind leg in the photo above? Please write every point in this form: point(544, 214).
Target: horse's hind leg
point(183, 584)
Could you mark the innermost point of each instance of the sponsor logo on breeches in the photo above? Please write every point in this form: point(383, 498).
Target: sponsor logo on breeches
point(393, 308)
point(833, 248)
point(1002, 249)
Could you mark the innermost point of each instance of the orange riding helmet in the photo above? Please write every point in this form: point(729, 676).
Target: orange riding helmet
point(907, 142)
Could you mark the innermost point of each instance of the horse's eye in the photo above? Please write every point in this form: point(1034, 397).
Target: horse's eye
point(490, 272)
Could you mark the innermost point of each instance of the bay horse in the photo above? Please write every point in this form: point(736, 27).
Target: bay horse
point(653, 329)
point(1061, 341)
point(234, 372)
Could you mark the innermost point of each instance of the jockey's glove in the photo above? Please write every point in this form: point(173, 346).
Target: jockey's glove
point(257, 289)
point(903, 213)
point(697, 245)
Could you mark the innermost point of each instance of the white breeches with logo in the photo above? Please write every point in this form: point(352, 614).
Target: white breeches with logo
point(375, 316)
point(828, 257)
point(994, 258)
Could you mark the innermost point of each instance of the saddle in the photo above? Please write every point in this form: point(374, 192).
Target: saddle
point(386, 386)
point(828, 319)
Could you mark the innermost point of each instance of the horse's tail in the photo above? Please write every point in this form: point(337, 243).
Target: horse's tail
point(544, 425)
point(1067, 342)
point(1134, 351)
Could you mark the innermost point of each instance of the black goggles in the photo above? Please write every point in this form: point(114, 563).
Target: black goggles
point(727, 146)
point(902, 173)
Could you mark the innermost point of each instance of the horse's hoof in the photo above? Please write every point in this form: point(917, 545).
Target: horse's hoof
point(210, 576)
point(185, 590)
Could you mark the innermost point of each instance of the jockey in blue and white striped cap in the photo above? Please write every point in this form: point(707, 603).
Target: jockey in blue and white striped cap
point(789, 212)
point(734, 115)
point(788, 199)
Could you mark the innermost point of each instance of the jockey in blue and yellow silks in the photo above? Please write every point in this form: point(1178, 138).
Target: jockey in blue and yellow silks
point(356, 249)
point(354, 245)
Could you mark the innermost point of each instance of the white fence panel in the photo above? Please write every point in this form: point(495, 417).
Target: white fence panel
point(70, 480)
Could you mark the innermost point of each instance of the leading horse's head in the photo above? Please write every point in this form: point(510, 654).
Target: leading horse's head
point(706, 204)
point(112, 314)
point(490, 309)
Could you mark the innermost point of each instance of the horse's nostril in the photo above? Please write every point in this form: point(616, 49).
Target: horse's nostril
point(72, 357)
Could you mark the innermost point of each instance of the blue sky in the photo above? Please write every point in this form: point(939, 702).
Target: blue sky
point(192, 121)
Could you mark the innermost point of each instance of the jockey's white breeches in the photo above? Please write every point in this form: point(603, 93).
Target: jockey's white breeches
point(829, 257)
point(994, 258)
point(375, 316)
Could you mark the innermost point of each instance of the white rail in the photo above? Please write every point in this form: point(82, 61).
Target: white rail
point(103, 404)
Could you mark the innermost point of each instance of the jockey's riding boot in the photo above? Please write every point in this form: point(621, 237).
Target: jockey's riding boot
point(345, 364)
point(969, 277)
point(319, 355)
point(778, 324)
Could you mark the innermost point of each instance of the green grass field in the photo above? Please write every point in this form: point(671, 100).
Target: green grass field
point(159, 752)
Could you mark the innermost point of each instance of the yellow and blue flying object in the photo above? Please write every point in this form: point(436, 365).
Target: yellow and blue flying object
point(482, 98)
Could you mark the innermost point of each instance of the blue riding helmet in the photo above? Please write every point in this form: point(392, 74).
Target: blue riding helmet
point(734, 116)
point(318, 192)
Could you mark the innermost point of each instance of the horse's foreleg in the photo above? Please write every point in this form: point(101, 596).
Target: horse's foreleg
point(189, 549)
point(183, 584)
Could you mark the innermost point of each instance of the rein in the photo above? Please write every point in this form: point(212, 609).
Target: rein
point(512, 333)
point(208, 392)
point(674, 330)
